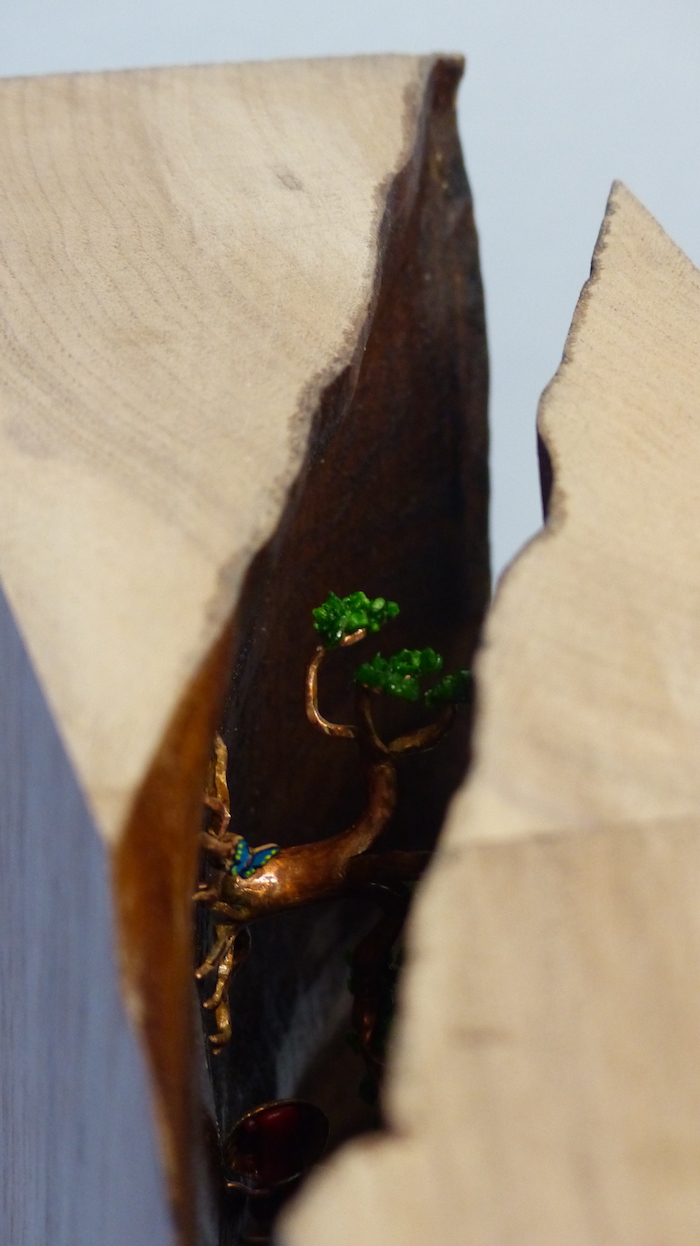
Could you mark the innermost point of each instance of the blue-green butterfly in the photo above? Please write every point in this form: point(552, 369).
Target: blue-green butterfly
point(247, 861)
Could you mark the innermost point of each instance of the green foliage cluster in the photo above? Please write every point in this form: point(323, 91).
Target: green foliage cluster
point(399, 675)
point(339, 617)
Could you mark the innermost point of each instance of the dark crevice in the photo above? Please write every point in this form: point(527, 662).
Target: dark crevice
point(546, 475)
point(392, 499)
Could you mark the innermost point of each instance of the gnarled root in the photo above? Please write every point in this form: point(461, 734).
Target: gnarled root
point(230, 949)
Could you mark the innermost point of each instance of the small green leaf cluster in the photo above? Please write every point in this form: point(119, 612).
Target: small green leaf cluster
point(452, 690)
point(400, 675)
point(339, 617)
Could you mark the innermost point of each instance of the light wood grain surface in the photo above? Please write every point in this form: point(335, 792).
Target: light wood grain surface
point(590, 703)
point(187, 258)
point(545, 1084)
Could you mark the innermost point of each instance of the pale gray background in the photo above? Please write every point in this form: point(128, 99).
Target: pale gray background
point(561, 96)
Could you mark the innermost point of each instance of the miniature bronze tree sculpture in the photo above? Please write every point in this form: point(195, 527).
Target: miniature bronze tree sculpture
point(251, 883)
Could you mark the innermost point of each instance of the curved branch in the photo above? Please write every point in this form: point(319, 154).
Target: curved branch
point(216, 796)
point(386, 867)
point(424, 737)
point(368, 737)
point(305, 873)
point(340, 731)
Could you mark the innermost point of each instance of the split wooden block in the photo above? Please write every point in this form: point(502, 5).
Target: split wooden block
point(546, 1078)
point(242, 362)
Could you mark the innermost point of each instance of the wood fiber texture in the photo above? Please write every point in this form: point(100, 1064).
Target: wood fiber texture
point(544, 1085)
point(188, 258)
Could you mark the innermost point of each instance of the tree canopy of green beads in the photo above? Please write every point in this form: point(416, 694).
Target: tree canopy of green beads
point(339, 617)
point(401, 674)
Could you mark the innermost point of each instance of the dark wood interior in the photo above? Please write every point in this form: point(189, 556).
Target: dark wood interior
point(393, 500)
